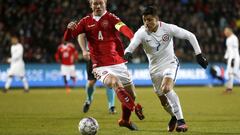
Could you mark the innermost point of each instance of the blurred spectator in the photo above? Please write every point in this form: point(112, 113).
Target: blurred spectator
point(41, 23)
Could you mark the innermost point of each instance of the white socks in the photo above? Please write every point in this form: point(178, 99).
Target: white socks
point(175, 104)
point(8, 83)
point(229, 83)
point(25, 83)
point(167, 107)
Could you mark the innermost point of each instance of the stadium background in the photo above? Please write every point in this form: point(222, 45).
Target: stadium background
point(50, 111)
point(41, 24)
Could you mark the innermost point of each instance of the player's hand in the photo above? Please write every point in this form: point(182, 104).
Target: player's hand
point(127, 56)
point(86, 55)
point(72, 25)
point(202, 60)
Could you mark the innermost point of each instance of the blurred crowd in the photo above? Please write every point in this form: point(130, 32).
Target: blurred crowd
point(41, 24)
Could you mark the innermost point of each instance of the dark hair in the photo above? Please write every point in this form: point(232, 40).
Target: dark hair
point(150, 10)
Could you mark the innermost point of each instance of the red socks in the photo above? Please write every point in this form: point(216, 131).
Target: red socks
point(125, 98)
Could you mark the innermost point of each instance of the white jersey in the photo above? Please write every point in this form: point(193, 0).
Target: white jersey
point(158, 45)
point(232, 52)
point(17, 63)
point(16, 54)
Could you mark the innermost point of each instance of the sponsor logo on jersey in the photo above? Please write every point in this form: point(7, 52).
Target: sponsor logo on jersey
point(165, 37)
point(90, 26)
point(105, 24)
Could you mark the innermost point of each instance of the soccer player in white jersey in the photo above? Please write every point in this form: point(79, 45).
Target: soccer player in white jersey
point(17, 66)
point(157, 40)
point(232, 56)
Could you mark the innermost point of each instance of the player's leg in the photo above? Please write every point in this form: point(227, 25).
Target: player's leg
point(73, 74)
point(167, 88)
point(89, 89)
point(130, 88)
point(125, 98)
point(127, 101)
point(73, 78)
point(8, 83)
point(65, 71)
point(111, 100)
point(229, 82)
point(90, 86)
point(168, 108)
point(68, 90)
point(25, 84)
point(110, 76)
point(157, 80)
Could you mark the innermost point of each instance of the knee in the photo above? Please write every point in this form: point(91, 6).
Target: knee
point(165, 88)
point(112, 82)
point(91, 83)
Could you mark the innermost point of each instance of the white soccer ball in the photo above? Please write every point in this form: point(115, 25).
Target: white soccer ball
point(88, 126)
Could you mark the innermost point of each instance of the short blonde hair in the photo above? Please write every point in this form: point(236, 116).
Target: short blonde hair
point(91, 1)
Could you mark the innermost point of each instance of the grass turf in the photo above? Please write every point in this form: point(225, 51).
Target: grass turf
point(52, 112)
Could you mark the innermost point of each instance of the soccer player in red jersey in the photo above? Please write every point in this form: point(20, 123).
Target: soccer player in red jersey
point(66, 55)
point(106, 53)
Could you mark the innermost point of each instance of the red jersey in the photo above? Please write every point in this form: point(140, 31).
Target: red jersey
point(103, 38)
point(66, 54)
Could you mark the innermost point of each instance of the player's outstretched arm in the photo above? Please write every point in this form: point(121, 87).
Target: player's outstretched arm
point(124, 29)
point(70, 28)
point(135, 42)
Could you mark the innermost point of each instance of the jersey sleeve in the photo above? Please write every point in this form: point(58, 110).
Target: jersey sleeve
point(122, 27)
point(68, 34)
point(184, 34)
point(57, 57)
point(135, 42)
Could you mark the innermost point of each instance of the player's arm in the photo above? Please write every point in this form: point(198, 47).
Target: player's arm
point(57, 58)
point(73, 29)
point(124, 29)
point(135, 42)
point(185, 34)
point(83, 45)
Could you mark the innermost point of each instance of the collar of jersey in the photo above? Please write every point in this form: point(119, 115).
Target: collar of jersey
point(97, 18)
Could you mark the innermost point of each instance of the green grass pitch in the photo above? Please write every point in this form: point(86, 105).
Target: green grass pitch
point(52, 112)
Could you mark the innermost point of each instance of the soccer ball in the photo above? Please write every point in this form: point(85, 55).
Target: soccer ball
point(88, 126)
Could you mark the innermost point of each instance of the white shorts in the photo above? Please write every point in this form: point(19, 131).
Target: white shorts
point(157, 77)
point(119, 70)
point(17, 69)
point(68, 70)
